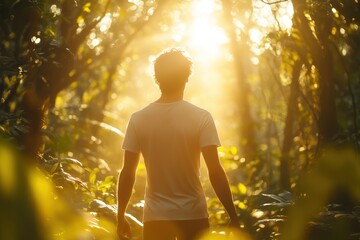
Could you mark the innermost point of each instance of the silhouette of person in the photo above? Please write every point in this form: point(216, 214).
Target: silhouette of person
point(171, 133)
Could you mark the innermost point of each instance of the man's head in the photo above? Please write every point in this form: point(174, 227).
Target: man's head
point(172, 69)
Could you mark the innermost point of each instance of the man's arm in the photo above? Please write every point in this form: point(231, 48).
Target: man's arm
point(220, 182)
point(125, 187)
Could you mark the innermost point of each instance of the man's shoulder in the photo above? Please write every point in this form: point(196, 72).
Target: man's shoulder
point(183, 106)
point(141, 111)
point(196, 108)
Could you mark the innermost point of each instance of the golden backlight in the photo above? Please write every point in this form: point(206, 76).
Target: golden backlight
point(205, 34)
point(200, 27)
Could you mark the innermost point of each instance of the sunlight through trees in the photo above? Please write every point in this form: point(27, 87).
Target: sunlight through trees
point(281, 79)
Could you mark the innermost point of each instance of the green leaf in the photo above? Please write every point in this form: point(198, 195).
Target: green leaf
point(54, 167)
point(92, 176)
point(242, 188)
point(86, 7)
point(275, 197)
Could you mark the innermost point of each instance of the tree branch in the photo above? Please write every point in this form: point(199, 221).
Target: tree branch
point(79, 38)
point(119, 48)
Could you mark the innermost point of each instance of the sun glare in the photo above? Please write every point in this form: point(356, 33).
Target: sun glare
point(204, 33)
point(105, 23)
point(206, 36)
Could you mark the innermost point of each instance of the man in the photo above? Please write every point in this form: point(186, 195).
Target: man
point(171, 133)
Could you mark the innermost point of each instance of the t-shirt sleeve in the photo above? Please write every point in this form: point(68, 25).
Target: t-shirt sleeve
point(208, 133)
point(131, 141)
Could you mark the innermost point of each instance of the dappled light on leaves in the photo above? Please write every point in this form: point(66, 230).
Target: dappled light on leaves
point(63, 222)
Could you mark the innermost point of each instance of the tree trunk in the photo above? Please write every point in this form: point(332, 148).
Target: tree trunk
point(247, 125)
point(328, 124)
point(289, 128)
point(322, 60)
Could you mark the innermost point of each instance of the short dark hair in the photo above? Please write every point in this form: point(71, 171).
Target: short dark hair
point(172, 69)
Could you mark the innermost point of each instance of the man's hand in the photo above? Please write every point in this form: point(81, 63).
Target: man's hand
point(125, 186)
point(123, 229)
point(220, 183)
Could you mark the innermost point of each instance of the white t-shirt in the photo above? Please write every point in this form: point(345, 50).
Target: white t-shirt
point(170, 137)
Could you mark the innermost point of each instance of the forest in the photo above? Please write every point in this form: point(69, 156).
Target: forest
point(280, 77)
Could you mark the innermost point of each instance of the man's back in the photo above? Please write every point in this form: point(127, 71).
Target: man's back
point(170, 134)
point(170, 137)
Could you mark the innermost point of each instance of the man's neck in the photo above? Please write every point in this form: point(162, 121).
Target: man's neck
point(171, 97)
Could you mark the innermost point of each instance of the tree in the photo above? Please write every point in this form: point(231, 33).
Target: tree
point(50, 45)
point(47, 47)
point(238, 48)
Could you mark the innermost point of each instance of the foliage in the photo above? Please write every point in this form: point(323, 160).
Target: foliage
point(46, 47)
point(325, 206)
point(12, 125)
